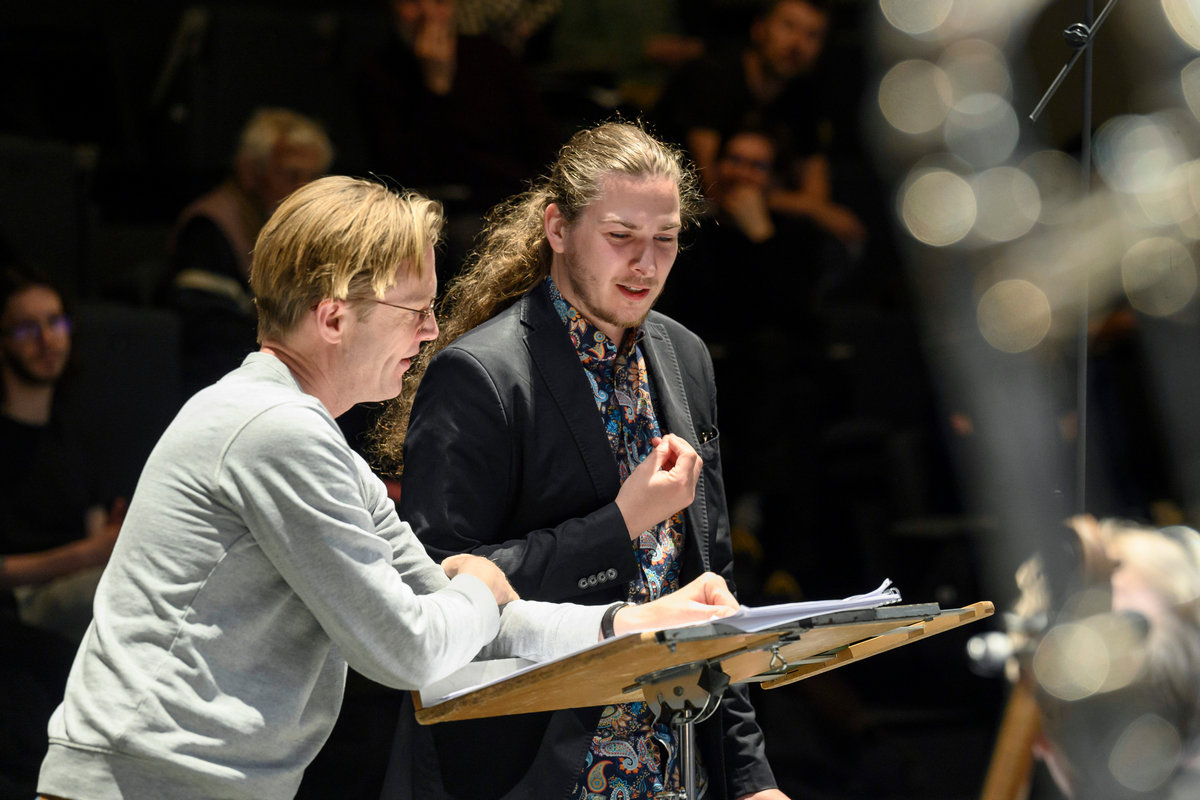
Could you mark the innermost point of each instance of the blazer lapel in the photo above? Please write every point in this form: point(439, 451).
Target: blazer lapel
point(675, 416)
point(558, 365)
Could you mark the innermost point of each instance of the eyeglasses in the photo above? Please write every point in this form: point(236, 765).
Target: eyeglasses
point(762, 165)
point(30, 329)
point(426, 314)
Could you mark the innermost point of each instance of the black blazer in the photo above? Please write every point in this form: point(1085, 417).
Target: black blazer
point(507, 457)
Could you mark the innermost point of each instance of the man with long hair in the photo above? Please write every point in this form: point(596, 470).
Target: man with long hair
point(548, 434)
point(260, 554)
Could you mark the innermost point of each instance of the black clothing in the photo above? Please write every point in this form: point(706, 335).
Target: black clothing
point(486, 136)
point(45, 489)
point(712, 93)
point(507, 457)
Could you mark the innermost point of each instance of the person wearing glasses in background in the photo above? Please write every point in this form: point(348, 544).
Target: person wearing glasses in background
point(261, 555)
point(56, 532)
point(55, 535)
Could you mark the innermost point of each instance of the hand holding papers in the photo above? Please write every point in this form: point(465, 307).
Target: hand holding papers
point(704, 599)
point(753, 619)
point(746, 620)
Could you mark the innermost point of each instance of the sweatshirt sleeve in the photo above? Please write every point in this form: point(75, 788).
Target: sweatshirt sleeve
point(543, 631)
point(305, 502)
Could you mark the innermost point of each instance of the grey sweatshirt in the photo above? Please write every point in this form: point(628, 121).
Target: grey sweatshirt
point(259, 556)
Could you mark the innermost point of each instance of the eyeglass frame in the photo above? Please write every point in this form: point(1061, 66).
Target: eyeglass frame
point(29, 329)
point(426, 314)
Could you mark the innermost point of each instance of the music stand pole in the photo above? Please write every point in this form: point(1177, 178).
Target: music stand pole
point(1080, 36)
point(682, 696)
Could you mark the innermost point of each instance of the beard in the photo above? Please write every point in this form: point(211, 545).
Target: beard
point(589, 294)
point(22, 370)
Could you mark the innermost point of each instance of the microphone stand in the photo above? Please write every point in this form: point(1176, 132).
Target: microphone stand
point(1080, 36)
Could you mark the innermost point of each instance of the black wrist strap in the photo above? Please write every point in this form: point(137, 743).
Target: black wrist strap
point(610, 615)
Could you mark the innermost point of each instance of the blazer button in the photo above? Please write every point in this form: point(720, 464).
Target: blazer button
point(583, 583)
point(592, 581)
point(611, 574)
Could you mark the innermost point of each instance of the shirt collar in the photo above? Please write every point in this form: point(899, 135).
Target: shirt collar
point(592, 344)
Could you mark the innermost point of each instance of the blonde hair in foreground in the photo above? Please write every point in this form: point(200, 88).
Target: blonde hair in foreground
point(339, 238)
point(513, 255)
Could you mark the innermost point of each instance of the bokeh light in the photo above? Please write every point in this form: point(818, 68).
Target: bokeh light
point(993, 18)
point(1071, 662)
point(982, 129)
point(1014, 316)
point(1059, 182)
point(1137, 154)
point(914, 96)
point(1146, 754)
point(1189, 225)
point(1008, 204)
point(938, 207)
point(1184, 17)
point(1158, 275)
point(976, 66)
point(916, 17)
point(1189, 79)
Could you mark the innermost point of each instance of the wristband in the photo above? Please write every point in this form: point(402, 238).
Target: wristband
point(610, 616)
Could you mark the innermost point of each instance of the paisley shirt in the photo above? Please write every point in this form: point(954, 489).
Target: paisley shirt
point(630, 756)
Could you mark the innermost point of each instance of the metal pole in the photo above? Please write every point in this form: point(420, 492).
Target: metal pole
point(1085, 158)
point(687, 763)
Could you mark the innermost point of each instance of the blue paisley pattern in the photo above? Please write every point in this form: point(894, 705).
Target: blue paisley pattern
point(631, 757)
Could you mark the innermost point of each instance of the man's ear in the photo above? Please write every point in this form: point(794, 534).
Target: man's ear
point(331, 319)
point(556, 225)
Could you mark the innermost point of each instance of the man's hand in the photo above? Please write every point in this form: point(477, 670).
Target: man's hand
point(106, 523)
point(102, 527)
point(707, 597)
point(486, 571)
point(662, 485)
point(747, 205)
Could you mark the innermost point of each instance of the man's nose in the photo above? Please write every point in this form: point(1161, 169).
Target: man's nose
point(645, 260)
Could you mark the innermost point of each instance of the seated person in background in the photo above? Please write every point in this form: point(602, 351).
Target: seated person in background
point(619, 51)
point(766, 82)
point(54, 536)
point(512, 23)
point(1115, 668)
point(766, 346)
point(456, 116)
point(209, 250)
point(261, 555)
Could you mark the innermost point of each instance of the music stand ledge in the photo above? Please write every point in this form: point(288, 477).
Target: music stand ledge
point(619, 670)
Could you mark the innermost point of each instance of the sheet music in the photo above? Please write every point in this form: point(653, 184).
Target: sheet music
point(747, 619)
point(750, 619)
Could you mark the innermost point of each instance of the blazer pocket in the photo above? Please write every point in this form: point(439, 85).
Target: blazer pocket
point(709, 443)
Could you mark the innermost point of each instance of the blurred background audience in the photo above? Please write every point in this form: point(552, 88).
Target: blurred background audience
point(208, 253)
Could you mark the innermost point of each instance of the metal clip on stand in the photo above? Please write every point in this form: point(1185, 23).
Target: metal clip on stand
point(682, 696)
point(1078, 36)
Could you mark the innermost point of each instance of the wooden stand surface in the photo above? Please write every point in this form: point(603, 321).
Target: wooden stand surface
point(616, 671)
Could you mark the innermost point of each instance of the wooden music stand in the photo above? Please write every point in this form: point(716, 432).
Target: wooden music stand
point(682, 672)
